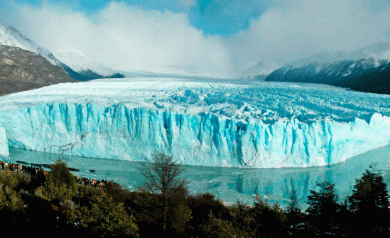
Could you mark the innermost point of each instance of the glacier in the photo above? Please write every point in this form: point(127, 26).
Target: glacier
point(227, 123)
point(4, 150)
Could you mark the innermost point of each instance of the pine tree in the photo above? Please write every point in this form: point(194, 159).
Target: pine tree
point(369, 193)
point(323, 208)
point(369, 202)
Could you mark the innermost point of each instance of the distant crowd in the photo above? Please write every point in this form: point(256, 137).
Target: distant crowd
point(38, 170)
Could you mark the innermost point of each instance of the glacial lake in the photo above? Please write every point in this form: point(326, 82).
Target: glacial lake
point(230, 184)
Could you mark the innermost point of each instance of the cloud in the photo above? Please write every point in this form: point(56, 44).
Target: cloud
point(289, 31)
point(125, 37)
point(128, 38)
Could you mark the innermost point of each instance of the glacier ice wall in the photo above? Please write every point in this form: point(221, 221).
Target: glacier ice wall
point(4, 152)
point(119, 132)
point(209, 123)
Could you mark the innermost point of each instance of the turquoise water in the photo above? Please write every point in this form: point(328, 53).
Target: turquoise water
point(229, 184)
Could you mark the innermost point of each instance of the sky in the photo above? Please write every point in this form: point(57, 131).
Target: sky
point(199, 37)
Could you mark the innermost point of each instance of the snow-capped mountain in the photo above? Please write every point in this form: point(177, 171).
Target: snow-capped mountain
point(335, 68)
point(258, 124)
point(76, 64)
point(80, 63)
point(376, 52)
point(22, 70)
point(376, 81)
point(11, 37)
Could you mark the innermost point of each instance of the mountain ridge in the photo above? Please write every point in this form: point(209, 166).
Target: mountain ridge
point(10, 36)
point(355, 70)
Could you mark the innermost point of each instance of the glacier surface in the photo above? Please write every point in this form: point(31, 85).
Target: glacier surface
point(4, 151)
point(209, 123)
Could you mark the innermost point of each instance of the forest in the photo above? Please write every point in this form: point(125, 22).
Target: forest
point(57, 202)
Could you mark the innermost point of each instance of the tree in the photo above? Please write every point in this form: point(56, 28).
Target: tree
point(370, 201)
point(269, 219)
point(60, 183)
point(295, 217)
point(369, 193)
point(217, 227)
point(107, 218)
point(323, 208)
point(10, 191)
point(162, 176)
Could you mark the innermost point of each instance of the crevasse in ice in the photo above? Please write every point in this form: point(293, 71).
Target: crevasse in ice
point(259, 125)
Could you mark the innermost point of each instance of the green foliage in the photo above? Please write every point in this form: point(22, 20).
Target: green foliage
point(116, 192)
point(60, 183)
point(293, 205)
point(147, 211)
point(169, 211)
point(217, 227)
point(201, 206)
point(107, 218)
point(10, 190)
point(369, 204)
point(243, 220)
point(324, 202)
point(270, 220)
point(295, 217)
point(323, 209)
point(369, 193)
point(84, 195)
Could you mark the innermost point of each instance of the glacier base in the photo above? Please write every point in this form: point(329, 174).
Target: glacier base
point(117, 132)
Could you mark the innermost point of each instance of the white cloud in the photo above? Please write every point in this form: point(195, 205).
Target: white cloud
point(291, 31)
point(128, 38)
point(125, 37)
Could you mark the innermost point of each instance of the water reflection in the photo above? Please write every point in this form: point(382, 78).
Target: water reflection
point(230, 184)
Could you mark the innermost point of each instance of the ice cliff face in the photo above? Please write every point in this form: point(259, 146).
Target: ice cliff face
point(198, 123)
point(4, 152)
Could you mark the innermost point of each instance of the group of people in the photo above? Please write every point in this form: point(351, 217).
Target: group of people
point(92, 182)
point(36, 170)
point(31, 170)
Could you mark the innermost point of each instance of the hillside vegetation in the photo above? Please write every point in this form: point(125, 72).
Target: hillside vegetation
point(57, 202)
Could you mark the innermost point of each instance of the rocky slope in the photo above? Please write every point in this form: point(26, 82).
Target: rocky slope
point(22, 70)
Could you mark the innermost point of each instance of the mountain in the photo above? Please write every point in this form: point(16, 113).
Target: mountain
point(80, 63)
point(374, 81)
point(9, 36)
point(22, 70)
point(346, 69)
point(76, 64)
